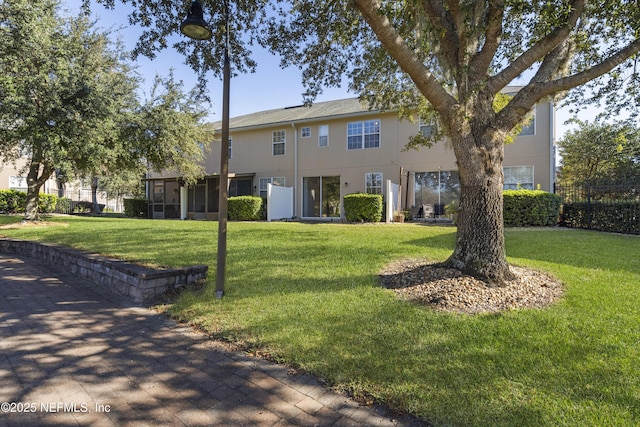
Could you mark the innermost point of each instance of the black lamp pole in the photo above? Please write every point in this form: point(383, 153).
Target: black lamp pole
point(195, 28)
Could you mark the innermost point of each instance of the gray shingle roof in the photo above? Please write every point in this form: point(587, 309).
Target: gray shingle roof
point(300, 113)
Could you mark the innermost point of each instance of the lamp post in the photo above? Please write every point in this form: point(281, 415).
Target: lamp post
point(196, 28)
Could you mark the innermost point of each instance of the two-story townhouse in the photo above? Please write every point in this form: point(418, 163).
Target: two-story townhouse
point(13, 176)
point(335, 148)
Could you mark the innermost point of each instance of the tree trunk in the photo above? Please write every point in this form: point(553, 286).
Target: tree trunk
point(31, 208)
point(94, 195)
point(479, 249)
point(33, 193)
point(35, 180)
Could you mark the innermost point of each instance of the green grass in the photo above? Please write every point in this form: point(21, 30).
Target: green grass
point(308, 294)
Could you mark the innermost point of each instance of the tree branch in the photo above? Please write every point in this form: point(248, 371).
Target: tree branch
point(535, 91)
point(493, 33)
point(444, 30)
point(405, 57)
point(594, 72)
point(539, 50)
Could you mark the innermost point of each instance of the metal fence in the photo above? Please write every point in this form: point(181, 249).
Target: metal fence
point(603, 205)
point(80, 201)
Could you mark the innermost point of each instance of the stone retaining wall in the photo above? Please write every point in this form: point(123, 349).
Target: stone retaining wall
point(139, 283)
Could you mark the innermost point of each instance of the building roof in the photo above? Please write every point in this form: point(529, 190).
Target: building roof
point(298, 113)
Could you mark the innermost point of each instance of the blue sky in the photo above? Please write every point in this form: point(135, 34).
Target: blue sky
point(270, 87)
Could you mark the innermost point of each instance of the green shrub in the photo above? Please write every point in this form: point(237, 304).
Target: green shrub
point(135, 208)
point(245, 208)
point(47, 202)
point(11, 201)
point(64, 205)
point(615, 217)
point(362, 207)
point(14, 201)
point(530, 208)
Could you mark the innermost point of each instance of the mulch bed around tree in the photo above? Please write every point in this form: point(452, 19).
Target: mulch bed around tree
point(447, 289)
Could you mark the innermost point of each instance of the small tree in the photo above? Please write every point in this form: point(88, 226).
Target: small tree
point(600, 151)
point(165, 132)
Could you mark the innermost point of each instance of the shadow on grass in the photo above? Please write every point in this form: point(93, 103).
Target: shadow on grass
point(528, 368)
point(577, 248)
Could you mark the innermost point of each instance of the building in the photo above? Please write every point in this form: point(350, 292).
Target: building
point(13, 176)
point(339, 147)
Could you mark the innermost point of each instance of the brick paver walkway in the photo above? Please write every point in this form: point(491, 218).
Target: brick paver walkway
point(73, 354)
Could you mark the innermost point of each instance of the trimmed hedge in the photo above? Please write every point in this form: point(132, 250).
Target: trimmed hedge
point(362, 207)
point(245, 208)
point(136, 208)
point(524, 208)
point(615, 217)
point(46, 202)
point(13, 201)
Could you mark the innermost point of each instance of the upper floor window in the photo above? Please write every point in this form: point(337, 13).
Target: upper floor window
point(427, 127)
point(278, 141)
point(323, 136)
point(364, 134)
point(305, 132)
point(530, 127)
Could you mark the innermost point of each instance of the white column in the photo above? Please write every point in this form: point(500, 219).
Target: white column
point(183, 202)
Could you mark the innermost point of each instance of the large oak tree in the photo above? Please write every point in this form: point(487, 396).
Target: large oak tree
point(62, 89)
point(69, 103)
point(447, 58)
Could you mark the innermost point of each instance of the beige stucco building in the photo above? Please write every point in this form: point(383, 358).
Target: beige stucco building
point(339, 147)
point(13, 176)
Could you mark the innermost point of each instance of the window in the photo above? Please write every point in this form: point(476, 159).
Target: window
point(18, 183)
point(305, 132)
point(323, 136)
point(373, 183)
point(278, 141)
point(518, 177)
point(437, 187)
point(427, 127)
point(240, 186)
point(229, 153)
point(530, 127)
point(363, 134)
point(275, 180)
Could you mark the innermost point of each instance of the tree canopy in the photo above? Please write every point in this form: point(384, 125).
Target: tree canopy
point(600, 151)
point(69, 102)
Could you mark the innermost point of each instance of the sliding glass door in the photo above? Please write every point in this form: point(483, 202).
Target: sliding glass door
point(321, 197)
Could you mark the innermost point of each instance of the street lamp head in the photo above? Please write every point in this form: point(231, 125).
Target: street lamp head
point(194, 26)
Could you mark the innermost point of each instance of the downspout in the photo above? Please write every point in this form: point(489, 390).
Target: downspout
point(295, 169)
point(552, 147)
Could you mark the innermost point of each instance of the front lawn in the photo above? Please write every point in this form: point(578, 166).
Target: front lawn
point(308, 294)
